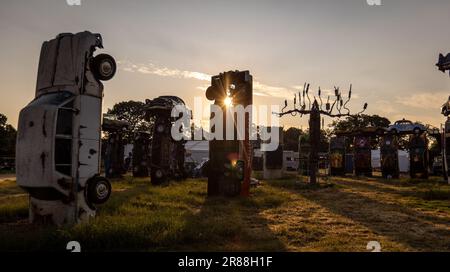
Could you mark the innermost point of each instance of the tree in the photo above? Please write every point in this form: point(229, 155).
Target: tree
point(360, 121)
point(290, 138)
point(323, 144)
point(132, 112)
point(7, 138)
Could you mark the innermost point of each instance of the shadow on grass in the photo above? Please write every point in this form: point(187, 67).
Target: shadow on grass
point(399, 223)
point(231, 224)
point(429, 195)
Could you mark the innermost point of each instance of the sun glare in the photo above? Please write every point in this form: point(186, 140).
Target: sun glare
point(228, 101)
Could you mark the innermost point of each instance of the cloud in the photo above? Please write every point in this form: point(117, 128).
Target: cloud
point(152, 69)
point(423, 100)
point(267, 90)
point(259, 89)
point(385, 107)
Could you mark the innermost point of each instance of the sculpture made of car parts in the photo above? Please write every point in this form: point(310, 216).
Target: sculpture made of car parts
point(167, 155)
point(141, 154)
point(418, 149)
point(114, 149)
point(362, 151)
point(229, 167)
point(444, 65)
point(337, 155)
point(273, 163)
point(58, 142)
point(362, 156)
point(418, 146)
point(389, 156)
point(445, 141)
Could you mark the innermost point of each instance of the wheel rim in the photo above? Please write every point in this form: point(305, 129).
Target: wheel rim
point(102, 191)
point(160, 128)
point(159, 174)
point(106, 68)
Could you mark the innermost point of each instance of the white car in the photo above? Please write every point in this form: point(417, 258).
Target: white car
point(406, 127)
point(58, 141)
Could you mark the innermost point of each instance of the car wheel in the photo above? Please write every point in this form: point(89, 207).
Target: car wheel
point(160, 128)
point(104, 67)
point(98, 190)
point(158, 176)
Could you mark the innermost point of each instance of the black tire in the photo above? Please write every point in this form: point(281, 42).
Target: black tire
point(158, 176)
point(98, 190)
point(104, 67)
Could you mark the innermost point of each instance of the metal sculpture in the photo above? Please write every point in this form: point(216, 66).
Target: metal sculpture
point(337, 155)
point(141, 154)
point(114, 149)
point(315, 108)
point(167, 155)
point(418, 155)
point(230, 166)
point(389, 156)
point(444, 65)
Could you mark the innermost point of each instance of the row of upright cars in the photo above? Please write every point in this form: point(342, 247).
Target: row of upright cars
point(362, 141)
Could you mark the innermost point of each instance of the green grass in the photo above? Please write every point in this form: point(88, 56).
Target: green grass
point(342, 214)
point(140, 216)
point(13, 202)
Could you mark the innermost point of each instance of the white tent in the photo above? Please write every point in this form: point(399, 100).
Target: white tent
point(197, 151)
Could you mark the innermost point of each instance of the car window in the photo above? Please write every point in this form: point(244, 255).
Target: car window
point(56, 98)
point(64, 122)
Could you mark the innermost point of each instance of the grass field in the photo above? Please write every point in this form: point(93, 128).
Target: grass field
point(282, 215)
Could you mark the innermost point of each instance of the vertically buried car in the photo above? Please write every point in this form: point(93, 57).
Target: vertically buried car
point(58, 142)
point(362, 156)
point(114, 148)
point(389, 156)
point(141, 154)
point(337, 156)
point(167, 155)
point(418, 156)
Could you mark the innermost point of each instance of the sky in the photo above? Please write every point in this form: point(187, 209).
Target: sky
point(169, 47)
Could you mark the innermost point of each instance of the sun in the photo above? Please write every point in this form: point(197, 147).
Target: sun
point(228, 101)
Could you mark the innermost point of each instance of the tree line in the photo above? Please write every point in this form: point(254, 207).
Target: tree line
point(133, 112)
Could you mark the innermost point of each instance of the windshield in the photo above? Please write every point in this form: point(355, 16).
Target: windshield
point(56, 98)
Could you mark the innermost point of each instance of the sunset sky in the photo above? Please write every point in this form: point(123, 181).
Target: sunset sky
point(387, 52)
